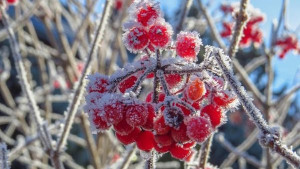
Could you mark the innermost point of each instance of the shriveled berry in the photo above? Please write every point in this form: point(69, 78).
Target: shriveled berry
point(195, 90)
point(160, 126)
point(136, 39)
point(164, 140)
point(173, 117)
point(160, 34)
point(145, 140)
point(179, 152)
point(214, 114)
point(136, 114)
point(127, 83)
point(179, 135)
point(188, 45)
point(130, 138)
point(123, 128)
point(198, 128)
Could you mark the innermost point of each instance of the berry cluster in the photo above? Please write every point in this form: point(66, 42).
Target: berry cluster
point(251, 32)
point(287, 43)
point(188, 101)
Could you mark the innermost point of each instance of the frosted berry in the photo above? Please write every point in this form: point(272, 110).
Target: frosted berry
point(136, 114)
point(164, 140)
point(160, 34)
point(173, 79)
point(130, 138)
point(198, 128)
point(188, 45)
point(97, 83)
point(189, 145)
point(113, 113)
point(160, 126)
point(123, 128)
point(214, 113)
point(99, 123)
point(161, 97)
point(195, 89)
point(146, 14)
point(150, 119)
point(223, 98)
point(127, 83)
point(179, 135)
point(136, 39)
point(179, 152)
point(145, 140)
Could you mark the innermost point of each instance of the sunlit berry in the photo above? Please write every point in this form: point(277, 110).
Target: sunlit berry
point(188, 45)
point(214, 114)
point(127, 83)
point(145, 140)
point(195, 89)
point(136, 114)
point(136, 39)
point(160, 34)
point(198, 128)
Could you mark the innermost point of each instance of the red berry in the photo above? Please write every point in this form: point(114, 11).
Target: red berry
point(189, 157)
point(145, 140)
point(179, 152)
point(136, 39)
point(113, 113)
point(160, 34)
point(164, 140)
point(160, 126)
point(136, 114)
point(184, 109)
point(146, 14)
point(173, 79)
point(189, 145)
point(123, 128)
point(227, 29)
point(130, 138)
point(150, 119)
point(195, 90)
point(179, 135)
point(214, 113)
point(198, 128)
point(161, 149)
point(97, 83)
point(127, 83)
point(223, 99)
point(99, 123)
point(188, 45)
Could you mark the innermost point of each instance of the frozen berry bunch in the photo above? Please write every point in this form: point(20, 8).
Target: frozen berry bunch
point(186, 103)
point(287, 43)
point(252, 33)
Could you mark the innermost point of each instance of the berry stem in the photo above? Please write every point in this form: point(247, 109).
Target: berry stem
point(150, 163)
point(156, 78)
point(204, 152)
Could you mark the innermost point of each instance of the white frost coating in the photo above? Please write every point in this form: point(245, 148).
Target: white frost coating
point(4, 163)
point(195, 36)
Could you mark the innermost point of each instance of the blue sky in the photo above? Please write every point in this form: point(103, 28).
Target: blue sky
point(286, 68)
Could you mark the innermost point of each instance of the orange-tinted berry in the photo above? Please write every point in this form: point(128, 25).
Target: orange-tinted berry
point(195, 90)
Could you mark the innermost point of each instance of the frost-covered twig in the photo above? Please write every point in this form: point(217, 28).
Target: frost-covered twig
point(4, 164)
point(268, 135)
point(82, 82)
point(204, 152)
point(241, 20)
